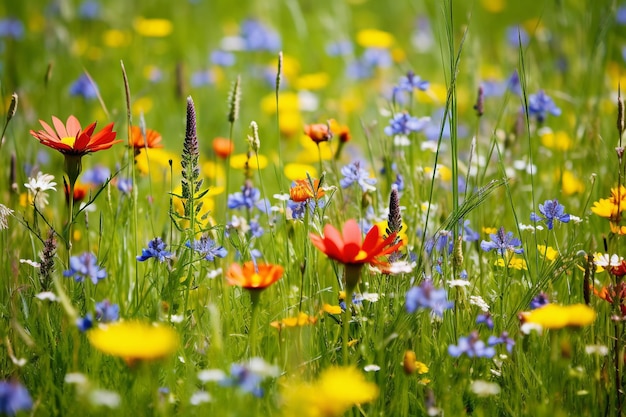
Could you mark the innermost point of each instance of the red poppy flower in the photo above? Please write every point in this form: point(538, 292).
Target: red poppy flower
point(254, 277)
point(349, 247)
point(71, 139)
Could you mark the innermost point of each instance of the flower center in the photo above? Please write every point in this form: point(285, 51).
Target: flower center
point(69, 141)
point(361, 255)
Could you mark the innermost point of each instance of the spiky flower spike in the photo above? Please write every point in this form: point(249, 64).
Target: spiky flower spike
point(47, 261)
point(394, 221)
point(234, 98)
point(191, 170)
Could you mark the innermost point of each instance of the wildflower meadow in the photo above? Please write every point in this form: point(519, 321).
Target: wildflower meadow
point(312, 208)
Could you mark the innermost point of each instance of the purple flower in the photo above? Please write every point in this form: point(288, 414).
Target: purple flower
point(297, 208)
point(11, 28)
point(513, 84)
point(207, 248)
point(620, 15)
point(472, 346)
point(97, 175)
point(84, 87)
point(202, 78)
point(84, 323)
point(403, 124)
point(85, 266)
point(248, 198)
point(156, 249)
point(107, 312)
point(339, 48)
point(540, 104)
point(516, 35)
point(89, 10)
point(426, 296)
point(502, 242)
point(377, 58)
point(249, 376)
point(13, 398)
point(258, 37)
point(503, 339)
point(353, 173)
point(412, 82)
point(469, 234)
point(539, 300)
point(222, 58)
point(551, 211)
point(125, 185)
point(486, 319)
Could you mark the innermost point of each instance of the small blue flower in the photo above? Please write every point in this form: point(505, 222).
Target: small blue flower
point(469, 234)
point(107, 312)
point(258, 37)
point(255, 227)
point(11, 28)
point(412, 82)
point(207, 248)
point(353, 173)
point(516, 35)
point(539, 300)
point(403, 124)
point(377, 58)
point(540, 104)
point(503, 339)
point(84, 323)
point(248, 198)
point(222, 58)
point(426, 296)
point(486, 319)
point(125, 185)
point(97, 175)
point(249, 376)
point(156, 249)
point(502, 243)
point(85, 266)
point(202, 78)
point(513, 84)
point(551, 211)
point(14, 397)
point(297, 208)
point(472, 346)
point(84, 87)
point(89, 10)
point(620, 15)
point(339, 48)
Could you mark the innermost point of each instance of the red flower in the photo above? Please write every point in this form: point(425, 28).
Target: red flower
point(349, 248)
point(137, 140)
point(254, 277)
point(71, 139)
point(223, 147)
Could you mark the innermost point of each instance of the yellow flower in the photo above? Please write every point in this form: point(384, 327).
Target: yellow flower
point(554, 316)
point(493, 6)
point(374, 38)
point(301, 320)
point(239, 161)
point(330, 309)
point(336, 390)
point(287, 102)
point(559, 141)
point(153, 28)
point(383, 225)
point(490, 230)
point(548, 252)
point(315, 81)
point(571, 184)
point(114, 38)
point(134, 340)
point(514, 262)
point(156, 162)
point(142, 105)
point(295, 171)
point(436, 94)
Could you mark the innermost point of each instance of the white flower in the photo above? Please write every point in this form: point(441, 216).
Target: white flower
point(575, 219)
point(459, 283)
point(104, 397)
point(30, 262)
point(46, 296)
point(371, 368)
point(604, 260)
point(478, 301)
point(200, 397)
point(38, 186)
point(599, 350)
point(484, 388)
point(211, 375)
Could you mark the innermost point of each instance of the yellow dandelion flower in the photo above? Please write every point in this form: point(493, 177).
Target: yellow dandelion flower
point(114, 38)
point(290, 123)
point(571, 184)
point(559, 141)
point(315, 81)
point(295, 171)
point(239, 161)
point(330, 309)
point(152, 28)
point(374, 38)
point(490, 230)
point(515, 262)
point(554, 316)
point(156, 162)
point(548, 252)
point(214, 171)
point(134, 340)
point(335, 392)
point(302, 319)
point(287, 102)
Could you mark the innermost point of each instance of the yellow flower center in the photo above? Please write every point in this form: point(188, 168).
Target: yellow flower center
point(361, 255)
point(69, 141)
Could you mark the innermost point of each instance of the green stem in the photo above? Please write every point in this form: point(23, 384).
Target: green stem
point(255, 295)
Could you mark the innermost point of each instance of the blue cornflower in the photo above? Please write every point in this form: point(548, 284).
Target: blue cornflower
point(516, 35)
point(539, 300)
point(359, 70)
point(620, 15)
point(248, 198)
point(89, 10)
point(85, 266)
point(125, 185)
point(222, 58)
point(297, 208)
point(377, 58)
point(427, 296)
point(156, 249)
point(11, 28)
point(493, 88)
point(403, 124)
point(249, 376)
point(97, 175)
point(442, 241)
point(202, 78)
point(255, 227)
point(486, 319)
point(207, 248)
point(469, 234)
point(107, 312)
point(472, 346)
point(258, 37)
point(503, 339)
point(540, 104)
point(84, 323)
point(502, 242)
point(14, 397)
point(412, 82)
point(513, 84)
point(84, 87)
point(551, 211)
point(353, 173)
point(339, 48)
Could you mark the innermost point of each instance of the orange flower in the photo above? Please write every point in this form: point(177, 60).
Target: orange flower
point(80, 192)
point(253, 277)
point(341, 131)
point(318, 132)
point(137, 141)
point(302, 190)
point(223, 147)
point(349, 248)
point(71, 139)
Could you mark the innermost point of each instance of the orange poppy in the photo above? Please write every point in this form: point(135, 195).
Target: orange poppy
point(254, 277)
point(71, 139)
point(302, 190)
point(349, 247)
point(80, 192)
point(318, 132)
point(138, 141)
point(223, 147)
